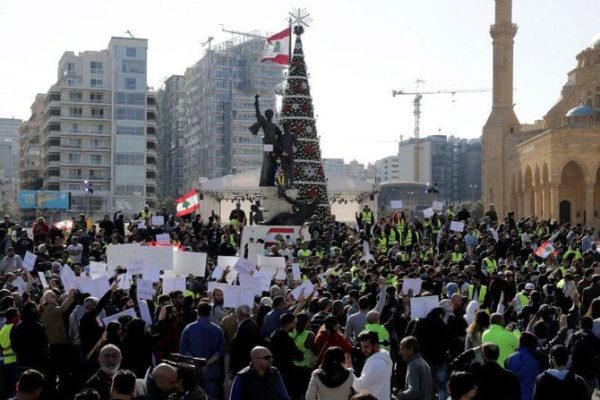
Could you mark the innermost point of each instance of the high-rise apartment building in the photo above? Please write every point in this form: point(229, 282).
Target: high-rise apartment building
point(354, 169)
point(9, 148)
point(99, 123)
point(30, 163)
point(453, 164)
point(219, 106)
point(171, 146)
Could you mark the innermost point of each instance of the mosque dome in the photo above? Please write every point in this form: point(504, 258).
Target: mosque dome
point(582, 111)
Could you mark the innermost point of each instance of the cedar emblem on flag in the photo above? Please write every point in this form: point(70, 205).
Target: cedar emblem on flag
point(187, 203)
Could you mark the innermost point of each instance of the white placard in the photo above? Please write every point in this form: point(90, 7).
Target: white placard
point(414, 284)
point(172, 284)
point(68, 278)
point(115, 317)
point(226, 261)
point(308, 288)
point(397, 204)
point(141, 225)
point(268, 147)
point(95, 287)
point(244, 266)
point(216, 285)
point(231, 277)
point(265, 277)
point(98, 269)
point(235, 296)
point(124, 281)
point(145, 312)
point(281, 275)
point(296, 275)
point(20, 284)
point(428, 212)
point(145, 289)
point(457, 226)
point(253, 282)
point(217, 273)
point(270, 262)
point(122, 254)
point(421, 306)
point(254, 250)
point(163, 238)
point(158, 220)
point(29, 261)
point(438, 205)
point(43, 280)
point(151, 274)
point(189, 262)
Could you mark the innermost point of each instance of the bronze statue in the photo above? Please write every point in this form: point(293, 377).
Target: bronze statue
point(287, 140)
point(271, 137)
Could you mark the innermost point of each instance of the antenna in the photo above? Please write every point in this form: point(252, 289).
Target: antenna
point(130, 34)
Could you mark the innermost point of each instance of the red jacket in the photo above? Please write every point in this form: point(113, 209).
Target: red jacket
point(324, 340)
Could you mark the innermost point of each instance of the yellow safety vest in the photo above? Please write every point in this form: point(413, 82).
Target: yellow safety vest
point(435, 227)
point(366, 216)
point(299, 340)
point(457, 257)
point(482, 293)
point(382, 333)
point(7, 352)
point(490, 265)
point(382, 243)
point(392, 237)
point(523, 299)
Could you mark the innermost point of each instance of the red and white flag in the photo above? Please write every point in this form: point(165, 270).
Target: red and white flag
point(545, 249)
point(277, 48)
point(188, 203)
point(67, 225)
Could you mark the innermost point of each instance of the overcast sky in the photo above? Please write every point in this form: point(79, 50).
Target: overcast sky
point(357, 52)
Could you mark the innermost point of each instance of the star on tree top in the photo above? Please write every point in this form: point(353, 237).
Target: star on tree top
point(300, 18)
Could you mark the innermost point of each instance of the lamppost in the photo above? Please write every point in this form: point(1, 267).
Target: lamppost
point(89, 189)
point(433, 189)
point(473, 188)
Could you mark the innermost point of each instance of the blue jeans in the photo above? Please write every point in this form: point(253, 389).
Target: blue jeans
point(440, 378)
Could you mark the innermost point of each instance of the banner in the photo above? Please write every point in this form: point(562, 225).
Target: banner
point(45, 199)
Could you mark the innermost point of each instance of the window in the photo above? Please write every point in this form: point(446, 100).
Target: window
point(74, 186)
point(130, 130)
point(96, 82)
point(74, 128)
point(74, 158)
point(135, 99)
point(96, 143)
point(97, 113)
point(95, 173)
point(130, 83)
point(130, 113)
point(133, 66)
point(96, 97)
point(136, 159)
point(75, 96)
point(131, 190)
point(70, 70)
point(96, 67)
point(95, 129)
point(131, 51)
point(75, 112)
point(96, 159)
point(74, 82)
point(74, 143)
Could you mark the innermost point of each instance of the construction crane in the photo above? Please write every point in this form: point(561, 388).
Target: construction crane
point(417, 113)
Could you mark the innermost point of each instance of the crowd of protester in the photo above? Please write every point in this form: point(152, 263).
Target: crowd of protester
point(518, 314)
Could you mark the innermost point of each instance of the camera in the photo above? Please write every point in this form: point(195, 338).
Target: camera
point(189, 369)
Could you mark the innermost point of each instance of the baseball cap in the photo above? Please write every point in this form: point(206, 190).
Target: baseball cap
point(529, 286)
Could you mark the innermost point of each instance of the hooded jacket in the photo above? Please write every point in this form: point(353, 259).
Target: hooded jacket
point(338, 386)
point(560, 384)
point(376, 376)
point(524, 364)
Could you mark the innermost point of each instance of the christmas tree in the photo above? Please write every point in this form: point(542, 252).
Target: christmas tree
point(297, 117)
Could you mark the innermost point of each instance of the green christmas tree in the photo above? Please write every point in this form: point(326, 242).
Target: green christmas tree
point(297, 117)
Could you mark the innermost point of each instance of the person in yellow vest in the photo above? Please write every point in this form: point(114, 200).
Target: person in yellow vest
point(304, 339)
point(489, 264)
point(237, 217)
point(304, 254)
point(573, 250)
point(8, 355)
point(365, 219)
point(522, 298)
point(373, 325)
point(436, 226)
point(457, 255)
point(450, 213)
point(478, 291)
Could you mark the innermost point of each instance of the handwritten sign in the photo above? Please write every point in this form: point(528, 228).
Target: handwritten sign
point(438, 205)
point(145, 289)
point(457, 226)
point(145, 312)
point(428, 212)
point(235, 296)
point(173, 284)
point(115, 317)
point(29, 261)
point(296, 272)
point(414, 284)
point(307, 287)
point(244, 266)
point(158, 220)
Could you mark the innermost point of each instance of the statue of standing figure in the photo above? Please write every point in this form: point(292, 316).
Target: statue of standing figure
point(270, 143)
point(277, 145)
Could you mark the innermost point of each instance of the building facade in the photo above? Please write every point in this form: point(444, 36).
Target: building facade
point(171, 108)
point(97, 123)
point(551, 168)
point(219, 107)
point(353, 169)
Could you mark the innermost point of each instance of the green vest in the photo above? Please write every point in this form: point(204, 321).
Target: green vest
point(299, 340)
point(482, 293)
point(435, 227)
point(7, 352)
point(392, 239)
point(382, 333)
point(523, 299)
point(382, 243)
point(408, 241)
point(365, 216)
point(457, 257)
point(490, 265)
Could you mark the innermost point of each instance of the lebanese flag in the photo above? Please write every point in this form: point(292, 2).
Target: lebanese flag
point(67, 225)
point(187, 203)
point(545, 249)
point(274, 231)
point(277, 48)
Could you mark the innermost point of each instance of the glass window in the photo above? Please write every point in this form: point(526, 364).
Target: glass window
point(97, 113)
point(135, 159)
point(96, 67)
point(74, 158)
point(131, 51)
point(96, 97)
point(75, 112)
point(74, 128)
point(74, 186)
point(131, 190)
point(75, 96)
point(97, 129)
point(96, 143)
point(130, 130)
point(75, 143)
point(136, 114)
point(96, 82)
point(130, 83)
point(133, 66)
point(130, 98)
point(95, 159)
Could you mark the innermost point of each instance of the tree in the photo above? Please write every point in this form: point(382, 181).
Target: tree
point(297, 117)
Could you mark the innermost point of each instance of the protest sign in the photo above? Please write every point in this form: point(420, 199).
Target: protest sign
point(428, 212)
point(97, 269)
point(281, 275)
point(296, 272)
point(158, 220)
point(163, 238)
point(457, 226)
point(115, 317)
point(438, 205)
point(265, 277)
point(172, 284)
point(95, 287)
point(226, 261)
point(307, 287)
point(270, 262)
point(216, 285)
point(235, 296)
point(145, 312)
point(244, 266)
point(421, 306)
point(397, 204)
point(29, 261)
point(189, 263)
point(410, 283)
point(43, 280)
point(145, 289)
point(254, 250)
point(141, 225)
point(217, 273)
point(253, 282)
point(20, 284)
point(151, 274)
point(67, 276)
point(124, 281)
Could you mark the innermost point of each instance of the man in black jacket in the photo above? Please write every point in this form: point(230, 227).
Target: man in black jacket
point(259, 381)
point(558, 382)
point(284, 349)
point(245, 339)
point(493, 381)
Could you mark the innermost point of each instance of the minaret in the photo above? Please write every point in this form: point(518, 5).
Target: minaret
point(502, 120)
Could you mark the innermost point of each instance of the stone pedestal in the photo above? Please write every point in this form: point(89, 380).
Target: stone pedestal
point(272, 204)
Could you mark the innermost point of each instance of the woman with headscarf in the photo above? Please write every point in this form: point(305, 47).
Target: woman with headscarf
point(332, 380)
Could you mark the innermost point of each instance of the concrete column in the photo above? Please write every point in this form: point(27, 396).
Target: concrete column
point(589, 203)
point(527, 211)
point(554, 200)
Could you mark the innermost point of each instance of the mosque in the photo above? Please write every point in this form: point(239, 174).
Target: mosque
point(550, 169)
